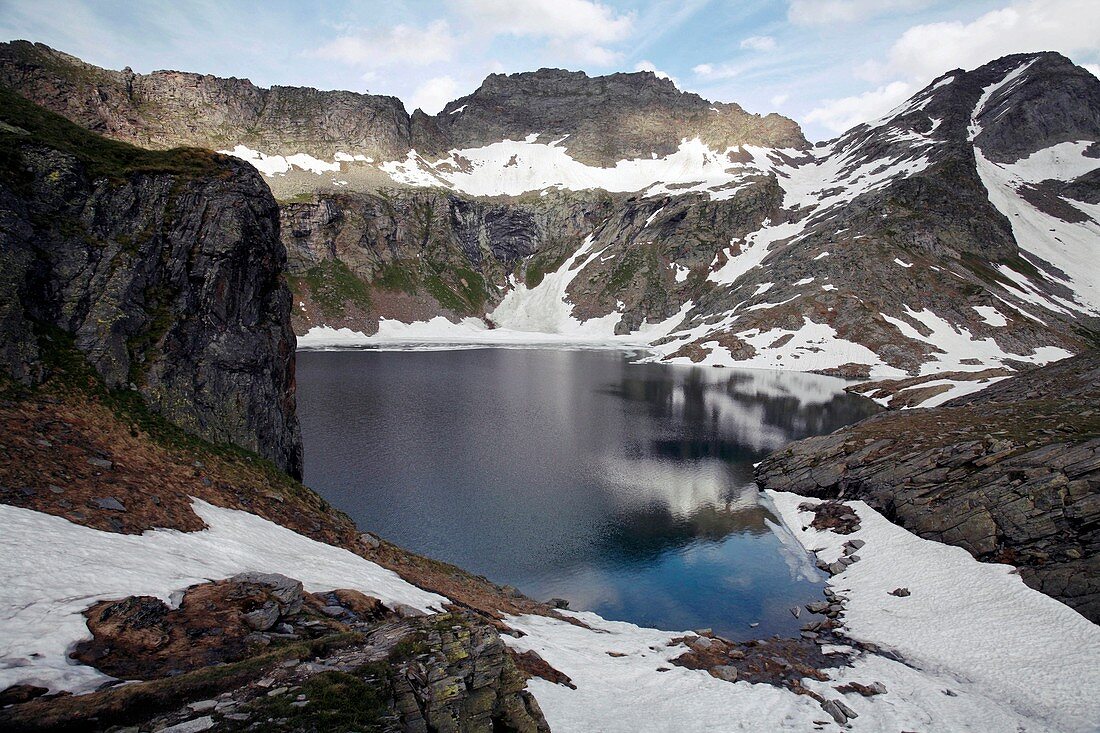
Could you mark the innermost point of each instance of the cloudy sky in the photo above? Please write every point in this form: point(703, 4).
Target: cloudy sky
point(826, 63)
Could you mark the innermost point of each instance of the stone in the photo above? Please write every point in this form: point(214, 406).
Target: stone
point(263, 618)
point(559, 603)
point(724, 672)
point(900, 592)
point(848, 712)
point(16, 694)
point(369, 540)
point(796, 611)
point(835, 711)
point(190, 726)
point(100, 462)
point(360, 604)
point(287, 591)
point(700, 644)
point(202, 706)
point(109, 503)
point(875, 688)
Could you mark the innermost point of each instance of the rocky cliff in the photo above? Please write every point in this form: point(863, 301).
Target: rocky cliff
point(167, 109)
point(1011, 474)
point(604, 119)
point(164, 269)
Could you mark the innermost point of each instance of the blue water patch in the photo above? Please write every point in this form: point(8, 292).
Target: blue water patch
point(623, 488)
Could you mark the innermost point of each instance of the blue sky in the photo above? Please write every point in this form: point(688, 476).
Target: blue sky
point(826, 63)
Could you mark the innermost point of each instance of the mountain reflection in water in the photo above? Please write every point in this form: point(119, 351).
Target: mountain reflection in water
point(624, 488)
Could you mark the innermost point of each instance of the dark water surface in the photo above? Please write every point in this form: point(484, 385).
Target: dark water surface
point(623, 488)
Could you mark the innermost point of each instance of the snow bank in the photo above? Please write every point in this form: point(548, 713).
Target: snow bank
point(271, 165)
point(969, 626)
point(629, 694)
point(812, 347)
point(954, 344)
point(52, 569)
point(513, 167)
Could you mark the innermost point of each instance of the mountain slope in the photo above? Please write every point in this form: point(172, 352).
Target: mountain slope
point(943, 245)
point(163, 268)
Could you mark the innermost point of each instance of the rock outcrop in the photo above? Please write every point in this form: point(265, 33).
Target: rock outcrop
point(166, 109)
point(410, 254)
point(604, 119)
point(256, 649)
point(165, 269)
point(1011, 474)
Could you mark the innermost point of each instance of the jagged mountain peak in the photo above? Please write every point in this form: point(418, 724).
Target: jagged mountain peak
point(604, 119)
point(1049, 100)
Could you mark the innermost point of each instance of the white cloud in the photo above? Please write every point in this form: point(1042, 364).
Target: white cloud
point(554, 18)
point(926, 51)
point(703, 70)
point(828, 12)
point(758, 43)
point(644, 65)
point(580, 51)
point(577, 29)
point(401, 44)
point(837, 115)
point(779, 99)
point(433, 95)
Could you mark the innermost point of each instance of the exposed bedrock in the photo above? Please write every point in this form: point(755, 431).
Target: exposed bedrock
point(1011, 474)
point(165, 269)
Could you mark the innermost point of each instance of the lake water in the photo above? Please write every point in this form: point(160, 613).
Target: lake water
point(626, 489)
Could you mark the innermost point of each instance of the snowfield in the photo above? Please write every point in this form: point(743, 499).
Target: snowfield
point(978, 651)
point(972, 649)
point(52, 569)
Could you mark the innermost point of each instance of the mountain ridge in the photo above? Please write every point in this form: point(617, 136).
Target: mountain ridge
point(950, 236)
point(207, 111)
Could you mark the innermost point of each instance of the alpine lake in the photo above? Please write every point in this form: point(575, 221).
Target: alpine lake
point(624, 488)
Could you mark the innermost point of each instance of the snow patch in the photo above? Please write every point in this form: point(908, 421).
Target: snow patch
point(1022, 658)
point(52, 569)
point(952, 344)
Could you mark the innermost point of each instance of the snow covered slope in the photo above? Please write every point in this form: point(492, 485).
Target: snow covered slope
point(52, 570)
point(927, 242)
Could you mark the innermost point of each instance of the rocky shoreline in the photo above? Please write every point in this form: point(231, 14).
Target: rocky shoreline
point(1011, 474)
